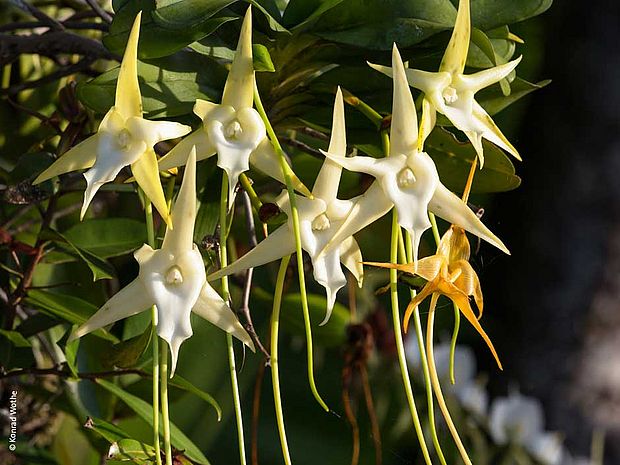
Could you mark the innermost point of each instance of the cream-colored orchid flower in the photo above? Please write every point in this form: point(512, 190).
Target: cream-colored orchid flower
point(320, 218)
point(409, 178)
point(233, 129)
point(123, 138)
point(451, 93)
point(173, 279)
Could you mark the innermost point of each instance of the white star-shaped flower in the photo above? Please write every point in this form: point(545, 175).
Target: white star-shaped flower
point(451, 93)
point(320, 218)
point(124, 138)
point(233, 129)
point(173, 279)
point(409, 178)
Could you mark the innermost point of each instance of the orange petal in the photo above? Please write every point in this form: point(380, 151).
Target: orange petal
point(417, 300)
point(408, 267)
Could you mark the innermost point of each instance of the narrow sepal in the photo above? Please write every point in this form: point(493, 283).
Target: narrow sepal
point(455, 56)
point(130, 300)
point(146, 172)
point(128, 99)
point(404, 126)
point(80, 157)
point(180, 153)
point(239, 87)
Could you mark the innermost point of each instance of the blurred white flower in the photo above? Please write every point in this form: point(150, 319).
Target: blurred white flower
point(547, 448)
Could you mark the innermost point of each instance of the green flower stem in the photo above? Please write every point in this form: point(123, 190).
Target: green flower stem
point(150, 234)
point(247, 186)
point(363, 108)
point(427, 378)
point(163, 365)
point(296, 230)
point(400, 347)
point(226, 296)
point(435, 381)
point(275, 375)
point(457, 313)
point(398, 335)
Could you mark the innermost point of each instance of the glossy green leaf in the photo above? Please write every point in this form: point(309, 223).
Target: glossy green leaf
point(454, 158)
point(15, 337)
point(70, 350)
point(184, 384)
point(145, 411)
point(262, 59)
point(126, 354)
point(494, 101)
point(66, 307)
point(107, 237)
point(131, 450)
point(107, 431)
point(489, 14)
point(100, 268)
point(167, 26)
point(169, 86)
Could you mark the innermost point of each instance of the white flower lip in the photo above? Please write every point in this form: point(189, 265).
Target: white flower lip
point(173, 279)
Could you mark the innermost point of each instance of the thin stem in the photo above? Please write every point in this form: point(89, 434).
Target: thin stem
point(246, 183)
point(226, 296)
point(372, 414)
point(363, 108)
point(150, 234)
point(164, 405)
point(435, 381)
point(427, 378)
point(355, 429)
point(298, 250)
point(275, 375)
point(400, 347)
point(597, 454)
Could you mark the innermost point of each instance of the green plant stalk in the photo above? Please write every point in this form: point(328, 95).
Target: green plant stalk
point(226, 296)
point(247, 186)
point(164, 405)
point(400, 347)
point(150, 234)
point(396, 237)
point(427, 378)
point(436, 384)
point(457, 313)
point(363, 108)
point(275, 375)
point(298, 250)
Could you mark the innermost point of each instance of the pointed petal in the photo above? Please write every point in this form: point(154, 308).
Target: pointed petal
point(146, 172)
point(405, 267)
point(491, 132)
point(448, 206)
point(275, 246)
point(417, 300)
point(212, 308)
point(184, 211)
point(128, 99)
point(485, 78)
point(130, 300)
point(328, 179)
point(476, 140)
point(109, 162)
point(80, 157)
point(462, 302)
point(152, 132)
point(351, 258)
point(328, 273)
point(265, 158)
point(429, 267)
point(179, 154)
point(367, 208)
point(404, 129)
point(469, 283)
point(455, 56)
point(359, 164)
point(203, 107)
point(428, 82)
point(239, 87)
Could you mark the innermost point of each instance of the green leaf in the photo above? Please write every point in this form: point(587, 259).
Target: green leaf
point(494, 101)
point(182, 383)
point(167, 25)
point(16, 338)
point(454, 158)
point(131, 450)
point(169, 86)
point(70, 350)
point(107, 237)
point(262, 59)
point(145, 411)
point(107, 431)
point(126, 354)
point(489, 14)
point(69, 308)
point(271, 12)
point(100, 268)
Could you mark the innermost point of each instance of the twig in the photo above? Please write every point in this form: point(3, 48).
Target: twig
point(69, 24)
point(60, 372)
point(303, 147)
point(107, 17)
point(34, 11)
point(314, 133)
point(80, 66)
point(247, 287)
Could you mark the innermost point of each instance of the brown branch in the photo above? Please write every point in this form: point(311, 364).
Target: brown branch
point(98, 9)
point(60, 372)
point(38, 14)
point(370, 406)
point(303, 147)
